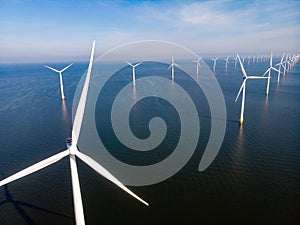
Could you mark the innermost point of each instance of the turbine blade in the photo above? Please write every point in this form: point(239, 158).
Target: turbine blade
point(242, 67)
point(170, 66)
point(31, 169)
point(274, 69)
point(55, 70)
point(105, 173)
point(129, 63)
point(266, 72)
point(241, 88)
point(66, 67)
point(82, 101)
point(175, 64)
point(257, 77)
point(137, 64)
point(282, 58)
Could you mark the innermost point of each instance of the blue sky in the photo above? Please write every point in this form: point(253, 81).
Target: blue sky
point(64, 30)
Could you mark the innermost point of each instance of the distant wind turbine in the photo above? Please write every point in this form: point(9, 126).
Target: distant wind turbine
point(73, 152)
point(269, 73)
point(215, 63)
point(197, 65)
point(235, 61)
point(133, 71)
point(226, 61)
point(249, 58)
point(243, 58)
point(60, 78)
point(172, 66)
point(243, 87)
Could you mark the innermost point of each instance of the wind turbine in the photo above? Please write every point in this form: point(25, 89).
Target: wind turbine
point(73, 152)
point(243, 87)
point(133, 71)
point(197, 65)
point(226, 61)
point(243, 58)
point(249, 58)
point(60, 78)
point(288, 63)
point(269, 73)
point(215, 63)
point(172, 66)
point(235, 61)
point(281, 64)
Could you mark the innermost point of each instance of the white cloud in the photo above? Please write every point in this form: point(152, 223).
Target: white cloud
point(208, 12)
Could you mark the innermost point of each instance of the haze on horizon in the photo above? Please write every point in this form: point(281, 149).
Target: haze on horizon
point(36, 31)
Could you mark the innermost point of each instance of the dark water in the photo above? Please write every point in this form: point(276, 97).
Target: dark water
point(255, 179)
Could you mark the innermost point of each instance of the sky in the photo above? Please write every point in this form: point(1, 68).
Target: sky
point(41, 31)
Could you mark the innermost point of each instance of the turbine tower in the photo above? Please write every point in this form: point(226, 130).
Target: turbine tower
point(172, 66)
point(269, 73)
point(60, 78)
point(73, 152)
point(133, 70)
point(198, 65)
point(243, 87)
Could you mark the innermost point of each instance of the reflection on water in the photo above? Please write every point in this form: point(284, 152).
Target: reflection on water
point(134, 92)
point(240, 143)
point(64, 111)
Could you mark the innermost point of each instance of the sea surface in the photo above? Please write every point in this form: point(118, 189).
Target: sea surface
point(255, 178)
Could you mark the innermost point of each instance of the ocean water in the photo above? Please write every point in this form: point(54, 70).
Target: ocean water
point(255, 178)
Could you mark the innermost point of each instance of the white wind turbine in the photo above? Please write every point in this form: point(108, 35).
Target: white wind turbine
point(288, 62)
point(60, 78)
point(133, 70)
point(235, 61)
point(281, 64)
point(198, 65)
point(243, 58)
point(226, 61)
point(215, 63)
point(172, 66)
point(73, 152)
point(249, 58)
point(243, 87)
point(269, 73)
